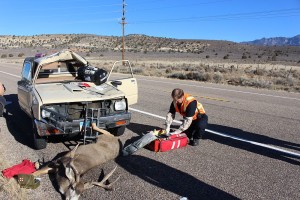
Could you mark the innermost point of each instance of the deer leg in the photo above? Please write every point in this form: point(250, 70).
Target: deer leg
point(44, 170)
point(95, 128)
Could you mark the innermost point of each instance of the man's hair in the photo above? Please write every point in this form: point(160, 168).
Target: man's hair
point(177, 93)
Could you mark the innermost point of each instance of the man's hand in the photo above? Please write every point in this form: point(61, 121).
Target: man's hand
point(168, 122)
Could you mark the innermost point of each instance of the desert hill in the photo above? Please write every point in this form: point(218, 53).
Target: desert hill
point(225, 62)
point(210, 50)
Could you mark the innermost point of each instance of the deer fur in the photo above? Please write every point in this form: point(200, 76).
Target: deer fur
point(69, 168)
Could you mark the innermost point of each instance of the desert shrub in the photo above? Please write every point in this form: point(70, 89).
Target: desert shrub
point(223, 70)
point(234, 81)
point(190, 68)
point(178, 75)
point(175, 68)
point(276, 73)
point(244, 56)
point(248, 70)
point(168, 71)
point(257, 82)
point(245, 81)
point(296, 73)
point(291, 81)
point(259, 71)
point(262, 83)
point(152, 66)
point(3, 56)
point(218, 77)
point(207, 68)
point(10, 55)
point(198, 76)
point(138, 71)
point(226, 56)
point(207, 56)
point(280, 81)
point(20, 54)
point(232, 68)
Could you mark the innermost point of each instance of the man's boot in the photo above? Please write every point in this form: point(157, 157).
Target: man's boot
point(195, 142)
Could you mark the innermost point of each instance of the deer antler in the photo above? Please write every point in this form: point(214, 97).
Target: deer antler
point(70, 170)
point(102, 183)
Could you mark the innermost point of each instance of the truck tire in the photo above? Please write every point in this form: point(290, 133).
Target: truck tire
point(38, 141)
point(118, 131)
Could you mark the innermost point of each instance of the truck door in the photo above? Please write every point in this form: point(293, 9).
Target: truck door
point(121, 77)
point(25, 87)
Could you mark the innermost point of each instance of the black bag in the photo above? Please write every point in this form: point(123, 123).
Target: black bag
point(92, 74)
point(100, 76)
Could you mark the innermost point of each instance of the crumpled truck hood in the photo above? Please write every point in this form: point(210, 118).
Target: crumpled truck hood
point(72, 92)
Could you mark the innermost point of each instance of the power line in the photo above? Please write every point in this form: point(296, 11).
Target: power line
point(236, 16)
point(77, 14)
point(68, 8)
point(179, 6)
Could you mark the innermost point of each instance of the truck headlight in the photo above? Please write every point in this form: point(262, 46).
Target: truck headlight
point(46, 113)
point(120, 105)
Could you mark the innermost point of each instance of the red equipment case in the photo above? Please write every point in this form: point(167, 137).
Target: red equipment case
point(164, 143)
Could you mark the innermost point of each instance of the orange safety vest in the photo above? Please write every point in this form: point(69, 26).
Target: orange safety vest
point(187, 99)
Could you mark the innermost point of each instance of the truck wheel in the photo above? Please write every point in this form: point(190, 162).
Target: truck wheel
point(118, 131)
point(38, 141)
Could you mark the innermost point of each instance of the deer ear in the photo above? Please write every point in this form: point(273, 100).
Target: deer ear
point(70, 174)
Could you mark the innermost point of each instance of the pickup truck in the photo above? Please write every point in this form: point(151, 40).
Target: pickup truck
point(60, 102)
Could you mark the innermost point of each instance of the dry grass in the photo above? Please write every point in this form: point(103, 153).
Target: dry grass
point(274, 77)
point(9, 188)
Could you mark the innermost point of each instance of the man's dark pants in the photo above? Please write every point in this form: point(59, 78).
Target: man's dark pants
point(197, 128)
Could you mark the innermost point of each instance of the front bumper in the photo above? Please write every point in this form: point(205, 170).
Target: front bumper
point(76, 126)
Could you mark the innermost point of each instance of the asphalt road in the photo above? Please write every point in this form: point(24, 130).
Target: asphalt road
point(220, 168)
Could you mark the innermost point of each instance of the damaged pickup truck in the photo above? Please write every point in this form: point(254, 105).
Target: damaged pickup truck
point(66, 96)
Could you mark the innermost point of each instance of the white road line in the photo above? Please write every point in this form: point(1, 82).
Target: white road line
point(227, 136)
point(10, 74)
point(213, 88)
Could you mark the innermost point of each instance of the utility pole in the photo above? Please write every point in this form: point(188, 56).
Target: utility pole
point(123, 30)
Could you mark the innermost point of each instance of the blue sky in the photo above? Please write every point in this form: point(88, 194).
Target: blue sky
point(233, 20)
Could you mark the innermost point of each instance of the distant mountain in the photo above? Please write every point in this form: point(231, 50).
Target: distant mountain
point(278, 41)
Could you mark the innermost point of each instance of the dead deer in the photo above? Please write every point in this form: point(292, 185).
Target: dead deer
point(69, 168)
